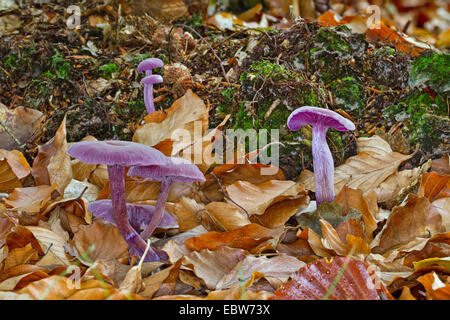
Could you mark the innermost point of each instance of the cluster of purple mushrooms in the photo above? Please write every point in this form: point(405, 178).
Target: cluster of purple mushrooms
point(137, 223)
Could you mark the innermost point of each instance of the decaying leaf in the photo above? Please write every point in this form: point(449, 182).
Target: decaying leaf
point(13, 168)
point(20, 123)
point(255, 199)
point(183, 123)
point(336, 279)
point(374, 163)
point(52, 164)
point(100, 241)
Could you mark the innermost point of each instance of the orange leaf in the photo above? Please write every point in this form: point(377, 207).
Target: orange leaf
point(434, 186)
point(436, 290)
point(246, 237)
point(13, 168)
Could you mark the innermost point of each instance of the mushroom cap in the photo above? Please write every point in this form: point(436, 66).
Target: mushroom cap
point(177, 168)
point(139, 215)
point(313, 116)
point(149, 64)
point(153, 79)
point(116, 152)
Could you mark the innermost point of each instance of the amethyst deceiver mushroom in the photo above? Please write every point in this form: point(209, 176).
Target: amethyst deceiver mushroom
point(320, 120)
point(177, 169)
point(148, 65)
point(117, 155)
point(148, 83)
point(139, 215)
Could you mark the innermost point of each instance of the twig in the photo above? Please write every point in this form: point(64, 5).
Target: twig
point(9, 131)
point(227, 197)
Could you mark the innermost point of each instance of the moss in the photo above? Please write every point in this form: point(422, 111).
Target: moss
point(268, 69)
point(431, 70)
point(334, 41)
point(348, 94)
point(422, 124)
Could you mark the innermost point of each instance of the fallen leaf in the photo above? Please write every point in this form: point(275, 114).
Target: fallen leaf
point(315, 282)
point(278, 214)
point(354, 199)
point(31, 199)
point(435, 288)
point(407, 222)
point(434, 186)
point(52, 164)
point(21, 122)
point(228, 215)
point(50, 241)
point(255, 199)
point(212, 266)
point(13, 168)
point(373, 164)
point(246, 237)
point(181, 118)
point(280, 267)
point(106, 240)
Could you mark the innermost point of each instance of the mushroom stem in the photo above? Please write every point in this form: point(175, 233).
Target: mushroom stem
point(148, 98)
point(117, 188)
point(159, 209)
point(323, 165)
point(148, 94)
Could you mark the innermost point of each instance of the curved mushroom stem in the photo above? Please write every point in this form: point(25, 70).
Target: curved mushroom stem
point(134, 240)
point(323, 165)
point(159, 209)
point(148, 95)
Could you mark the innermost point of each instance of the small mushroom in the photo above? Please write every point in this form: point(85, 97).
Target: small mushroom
point(148, 65)
point(148, 82)
point(177, 169)
point(320, 120)
point(139, 215)
point(116, 155)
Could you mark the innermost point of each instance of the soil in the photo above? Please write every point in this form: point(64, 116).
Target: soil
point(258, 76)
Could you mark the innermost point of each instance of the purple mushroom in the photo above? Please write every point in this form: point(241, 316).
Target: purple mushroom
point(148, 65)
point(148, 83)
point(139, 215)
point(116, 155)
point(320, 120)
point(177, 169)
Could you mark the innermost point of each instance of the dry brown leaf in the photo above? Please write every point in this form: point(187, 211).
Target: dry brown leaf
point(60, 288)
point(52, 164)
point(186, 211)
point(13, 168)
point(31, 200)
point(246, 237)
point(280, 267)
point(407, 222)
point(438, 246)
point(20, 256)
point(435, 288)
point(395, 186)
point(434, 186)
point(278, 214)
point(212, 266)
point(107, 241)
point(51, 241)
point(229, 216)
point(373, 164)
point(255, 199)
point(180, 116)
point(442, 165)
point(351, 198)
point(21, 122)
